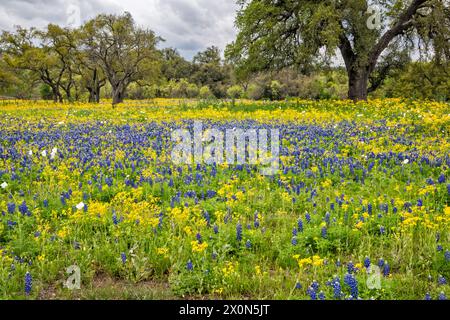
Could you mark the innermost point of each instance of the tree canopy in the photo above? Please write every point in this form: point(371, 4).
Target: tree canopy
point(274, 34)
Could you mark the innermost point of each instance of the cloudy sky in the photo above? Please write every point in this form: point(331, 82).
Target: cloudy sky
point(188, 25)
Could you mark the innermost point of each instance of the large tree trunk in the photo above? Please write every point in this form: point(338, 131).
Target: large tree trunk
point(97, 94)
point(68, 92)
point(118, 93)
point(358, 84)
point(95, 87)
point(91, 95)
point(117, 97)
point(57, 96)
point(94, 94)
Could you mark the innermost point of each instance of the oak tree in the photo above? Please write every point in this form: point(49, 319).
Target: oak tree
point(274, 34)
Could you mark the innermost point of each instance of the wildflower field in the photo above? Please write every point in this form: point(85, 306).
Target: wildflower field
point(360, 207)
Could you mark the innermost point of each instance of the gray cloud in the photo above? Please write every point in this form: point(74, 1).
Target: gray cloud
point(188, 25)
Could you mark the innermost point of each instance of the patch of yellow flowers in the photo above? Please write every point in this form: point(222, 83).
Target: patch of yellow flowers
point(315, 261)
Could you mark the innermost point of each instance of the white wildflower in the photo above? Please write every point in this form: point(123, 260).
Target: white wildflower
point(53, 153)
point(80, 206)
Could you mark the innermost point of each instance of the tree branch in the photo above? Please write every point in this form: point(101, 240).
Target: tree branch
point(404, 22)
point(346, 49)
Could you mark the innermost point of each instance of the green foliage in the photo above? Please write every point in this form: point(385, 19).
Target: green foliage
point(125, 52)
point(174, 66)
point(275, 90)
point(205, 93)
point(210, 71)
point(297, 39)
point(46, 92)
point(275, 35)
point(287, 83)
point(235, 92)
point(418, 81)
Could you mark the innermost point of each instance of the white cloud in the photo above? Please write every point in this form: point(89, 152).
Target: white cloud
point(189, 25)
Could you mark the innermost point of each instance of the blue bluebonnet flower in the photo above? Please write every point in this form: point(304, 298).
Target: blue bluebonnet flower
point(381, 262)
point(294, 232)
point(441, 178)
point(428, 297)
point(367, 262)
point(323, 232)
point(447, 256)
point(382, 230)
point(189, 265)
point(294, 241)
point(439, 248)
point(45, 203)
point(420, 203)
point(11, 208)
point(199, 237)
point(352, 283)
point(210, 194)
point(300, 225)
point(248, 244)
point(123, 256)
point(28, 283)
point(216, 229)
point(338, 263)
point(312, 293)
point(207, 217)
point(386, 269)
point(369, 208)
point(239, 232)
point(23, 209)
point(448, 189)
point(442, 296)
point(442, 281)
point(115, 220)
point(350, 267)
point(308, 217)
point(315, 285)
point(298, 286)
point(321, 295)
point(327, 218)
point(337, 289)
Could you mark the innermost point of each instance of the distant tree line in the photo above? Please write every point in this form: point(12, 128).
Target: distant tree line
point(112, 57)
